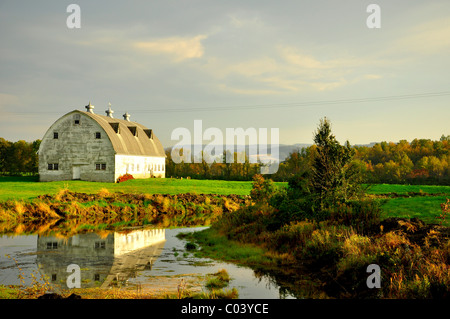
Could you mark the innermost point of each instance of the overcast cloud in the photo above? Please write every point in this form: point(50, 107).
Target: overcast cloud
point(261, 64)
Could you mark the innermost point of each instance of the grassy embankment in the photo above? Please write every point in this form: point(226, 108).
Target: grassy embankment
point(335, 249)
point(68, 213)
point(401, 200)
point(107, 206)
point(27, 188)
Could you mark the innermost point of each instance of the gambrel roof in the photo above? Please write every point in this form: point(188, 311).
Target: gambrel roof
point(127, 137)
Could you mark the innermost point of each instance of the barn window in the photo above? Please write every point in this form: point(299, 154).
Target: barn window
point(100, 245)
point(52, 245)
point(100, 166)
point(149, 133)
point(133, 130)
point(98, 135)
point(55, 135)
point(115, 127)
point(52, 166)
point(76, 119)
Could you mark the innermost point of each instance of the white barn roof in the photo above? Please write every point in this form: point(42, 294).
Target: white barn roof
point(127, 137)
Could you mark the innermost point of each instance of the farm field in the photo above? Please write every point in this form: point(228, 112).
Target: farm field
point(27, 188)
point(404, 201)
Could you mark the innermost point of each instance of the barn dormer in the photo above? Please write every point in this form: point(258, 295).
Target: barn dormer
point(149, 133)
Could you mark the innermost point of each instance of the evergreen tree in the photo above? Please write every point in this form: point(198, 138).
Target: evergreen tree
point(333, 176)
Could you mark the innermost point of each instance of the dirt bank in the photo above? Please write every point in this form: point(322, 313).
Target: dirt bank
point(162, 210)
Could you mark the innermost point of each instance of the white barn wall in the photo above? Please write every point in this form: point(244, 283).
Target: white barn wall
point(76, 146)
point(140, 166)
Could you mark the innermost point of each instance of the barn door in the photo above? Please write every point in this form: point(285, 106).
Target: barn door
point(76, 172)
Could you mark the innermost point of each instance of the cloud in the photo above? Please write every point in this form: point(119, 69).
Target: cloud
point(8, 103)
point(288, 69)
point(176, 47)
point(428, 38)
point(301, 60)
point(372, 76)
point(240, 22)
point(8, 100)
point(248, 91)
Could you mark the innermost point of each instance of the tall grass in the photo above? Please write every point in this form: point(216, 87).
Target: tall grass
point(114, 210)
point(339, 244)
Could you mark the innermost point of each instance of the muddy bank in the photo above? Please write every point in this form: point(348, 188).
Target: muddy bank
point(119, 197)
point(112, 210)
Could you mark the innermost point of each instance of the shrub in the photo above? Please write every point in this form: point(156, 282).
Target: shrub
point(445, 207)
point(190, 246)
point(104, 192)
point(291, 237)
point(124, 178)
point(220, 280)
point(362, 215)
point(262, 189)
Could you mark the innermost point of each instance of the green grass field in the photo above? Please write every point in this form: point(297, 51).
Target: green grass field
point(424, 208)
point(27, 188)
point(404, 189)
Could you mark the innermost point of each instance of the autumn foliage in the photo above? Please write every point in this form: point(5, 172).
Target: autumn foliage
point(124, 178)
point(421, 161)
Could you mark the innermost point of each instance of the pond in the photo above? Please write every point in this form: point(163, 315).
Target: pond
point(145, 259)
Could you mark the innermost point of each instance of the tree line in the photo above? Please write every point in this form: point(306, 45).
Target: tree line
point(19, 158)
point(242, 170)
point(421, 161)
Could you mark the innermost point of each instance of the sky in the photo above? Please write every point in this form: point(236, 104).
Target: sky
point(231, 64)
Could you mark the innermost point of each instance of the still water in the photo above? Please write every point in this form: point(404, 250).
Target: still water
point(152, 260)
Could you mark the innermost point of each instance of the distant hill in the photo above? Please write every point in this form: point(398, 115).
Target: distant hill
point(283, 149)
point(367, 145)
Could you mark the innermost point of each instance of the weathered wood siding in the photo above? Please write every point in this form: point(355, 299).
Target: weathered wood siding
point(76, 149)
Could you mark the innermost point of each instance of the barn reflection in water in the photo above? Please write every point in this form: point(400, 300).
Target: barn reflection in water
point(106, 261)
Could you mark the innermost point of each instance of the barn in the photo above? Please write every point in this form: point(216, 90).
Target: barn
point(91, 147)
